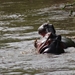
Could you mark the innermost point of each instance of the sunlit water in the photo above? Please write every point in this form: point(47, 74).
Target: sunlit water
point(19, 21)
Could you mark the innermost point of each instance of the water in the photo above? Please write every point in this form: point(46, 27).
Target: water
point(19, 21)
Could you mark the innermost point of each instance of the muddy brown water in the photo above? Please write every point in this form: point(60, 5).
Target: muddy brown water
point(19, 21)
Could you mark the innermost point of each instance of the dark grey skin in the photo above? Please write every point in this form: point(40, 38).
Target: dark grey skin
point(55, 47)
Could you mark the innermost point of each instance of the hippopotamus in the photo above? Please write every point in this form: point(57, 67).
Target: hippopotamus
point(58, 43)
point(56, 48)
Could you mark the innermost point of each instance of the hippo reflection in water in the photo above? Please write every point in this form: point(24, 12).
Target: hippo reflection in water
point(51, 43)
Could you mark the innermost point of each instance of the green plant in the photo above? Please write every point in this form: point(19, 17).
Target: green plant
point(69, 5)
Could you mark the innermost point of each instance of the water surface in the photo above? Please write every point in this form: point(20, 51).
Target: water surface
point(19, 21)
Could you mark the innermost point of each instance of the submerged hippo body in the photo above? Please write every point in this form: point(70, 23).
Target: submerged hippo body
point(55, 47)
point(68, 42)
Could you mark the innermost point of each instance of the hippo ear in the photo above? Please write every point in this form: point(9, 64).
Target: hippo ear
point(45, 25)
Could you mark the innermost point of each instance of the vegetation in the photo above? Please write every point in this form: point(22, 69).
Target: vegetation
point(70, 5)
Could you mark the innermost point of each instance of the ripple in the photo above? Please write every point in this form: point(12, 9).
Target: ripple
point(18, 28)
